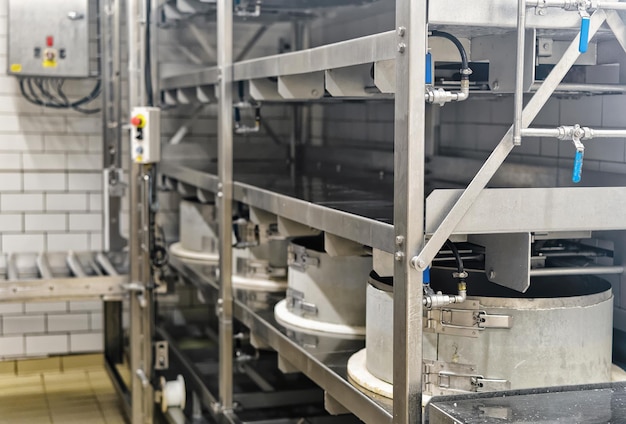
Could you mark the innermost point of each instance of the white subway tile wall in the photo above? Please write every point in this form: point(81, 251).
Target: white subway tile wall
point(50, 199)
point(50, 328)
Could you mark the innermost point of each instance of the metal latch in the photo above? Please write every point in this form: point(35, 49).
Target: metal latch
point(138, 289)
point(459, 318)
point(258, 268)
point(442, 378)
point(297, 304)
point(482, 384)
point(464, 320)
point(301, 260)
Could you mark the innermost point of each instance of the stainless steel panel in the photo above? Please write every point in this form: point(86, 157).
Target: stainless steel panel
point(584, 404)
point(329, 203)
point(538, 209)
point(359, 51)
point(31, 22)
point(362, 50)
point(507, 258)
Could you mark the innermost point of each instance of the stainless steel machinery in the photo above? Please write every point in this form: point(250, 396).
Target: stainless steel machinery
point(558, 333)
point(364, 122)
point(325, 293)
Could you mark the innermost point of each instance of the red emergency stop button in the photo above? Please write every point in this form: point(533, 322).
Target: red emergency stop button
point(138, 121)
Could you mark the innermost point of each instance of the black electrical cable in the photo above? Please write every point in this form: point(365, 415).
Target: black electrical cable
point(87, 99)
point(456, 42)
point(148, 64)
point(47, 95)
point(41, 95)
point(24, 93)
point(457, 256)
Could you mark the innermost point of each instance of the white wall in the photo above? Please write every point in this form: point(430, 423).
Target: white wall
point(50, 199)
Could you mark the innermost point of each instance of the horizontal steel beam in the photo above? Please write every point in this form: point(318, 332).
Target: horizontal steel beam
point(533, 209)
point(63, 288)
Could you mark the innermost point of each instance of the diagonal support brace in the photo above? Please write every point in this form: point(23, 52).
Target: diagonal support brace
point(502, 150)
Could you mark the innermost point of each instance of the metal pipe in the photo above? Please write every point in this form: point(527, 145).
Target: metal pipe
point(563, 132)
point(519, 72)
point(610, 5)
point(608, 133)
point(541, 132)
point(592, 270)
point(585, 88)
point(572, 4)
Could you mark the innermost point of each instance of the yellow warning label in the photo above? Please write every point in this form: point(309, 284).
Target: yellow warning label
point(49, 63)
point(50, 58)
point(16, 67)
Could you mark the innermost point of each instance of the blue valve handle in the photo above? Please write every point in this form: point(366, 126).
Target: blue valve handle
point(426, 276)
point(584, 34)
point(429, 68)
point(578, 167)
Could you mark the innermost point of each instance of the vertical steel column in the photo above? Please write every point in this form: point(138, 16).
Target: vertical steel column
point(141, 301)
point(225, 199)
point(300, 40)
point(110, 71)
point(410, 109)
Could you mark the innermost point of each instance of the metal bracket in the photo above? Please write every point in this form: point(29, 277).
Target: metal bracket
point(161, 355)
point(138, 289)
point(442, 378)
point(465, 319)
point(247, 233)
point(297, 304)
point(300, 259)
point(134, 287)
point(258, 268)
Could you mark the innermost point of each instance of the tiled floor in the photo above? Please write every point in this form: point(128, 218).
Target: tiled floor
point(70, 397)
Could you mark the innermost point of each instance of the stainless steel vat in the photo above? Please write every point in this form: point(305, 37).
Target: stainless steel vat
point(326, 293)
point(560, 334)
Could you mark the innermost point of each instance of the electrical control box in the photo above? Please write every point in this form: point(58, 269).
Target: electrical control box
point(50, 38)
point(146, 135)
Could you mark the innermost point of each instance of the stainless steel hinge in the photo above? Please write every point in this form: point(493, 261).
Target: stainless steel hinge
point(441, 378)
point(465, 319)
point(297, 304)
